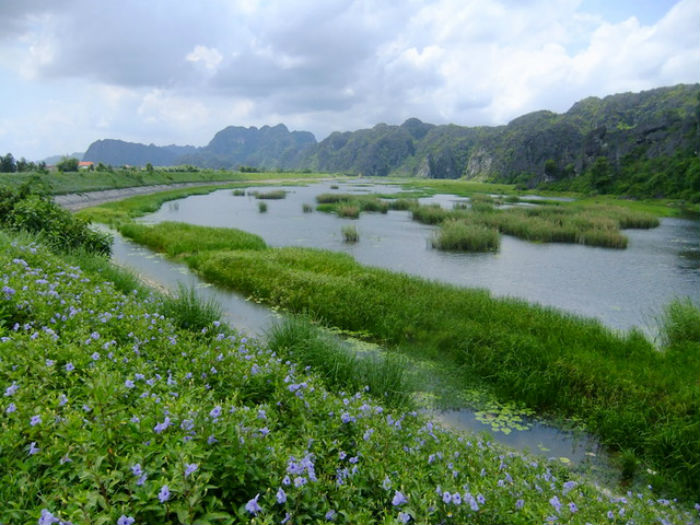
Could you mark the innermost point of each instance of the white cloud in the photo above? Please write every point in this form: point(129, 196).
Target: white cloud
point(169, 72)
point(209, 57)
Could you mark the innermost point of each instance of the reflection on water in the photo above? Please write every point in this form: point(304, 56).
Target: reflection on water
point(622, 288)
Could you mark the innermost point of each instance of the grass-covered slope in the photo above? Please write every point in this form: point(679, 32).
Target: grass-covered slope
point(632, 395)
point(110, 414)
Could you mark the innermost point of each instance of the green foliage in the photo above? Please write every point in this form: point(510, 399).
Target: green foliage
point(68, 164)
point(262, 207)
point(460, 235)
point(680, 324)
point(189, 312)
point(108, 402)
point(25, 210)
point(8, 164)
point(350, 234)
point(383, 376)
point(274, 194)
point(180, 239)
point(625, 390)
point(350, 205)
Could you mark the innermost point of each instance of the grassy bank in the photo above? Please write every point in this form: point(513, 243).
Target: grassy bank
point(631, 395)
point(83, 181)
point(113, 414)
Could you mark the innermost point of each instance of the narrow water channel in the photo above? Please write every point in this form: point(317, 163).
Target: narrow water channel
point(573, 448)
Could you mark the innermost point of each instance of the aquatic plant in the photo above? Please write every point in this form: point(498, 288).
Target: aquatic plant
point(262, 207)
point(271, 195)
point(460, 235)
point(350, 234)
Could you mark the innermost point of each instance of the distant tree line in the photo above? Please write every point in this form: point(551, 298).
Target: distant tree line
point(8, 164)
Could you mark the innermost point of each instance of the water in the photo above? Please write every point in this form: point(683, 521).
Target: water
point(164, 274)
point(622, 288)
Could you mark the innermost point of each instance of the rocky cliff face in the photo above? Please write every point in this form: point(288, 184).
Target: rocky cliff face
point(539, 146)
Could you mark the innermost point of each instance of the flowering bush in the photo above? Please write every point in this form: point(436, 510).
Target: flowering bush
point(111, 414)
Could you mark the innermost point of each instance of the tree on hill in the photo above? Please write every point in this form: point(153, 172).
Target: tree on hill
point(8, 164)
point(68, 164)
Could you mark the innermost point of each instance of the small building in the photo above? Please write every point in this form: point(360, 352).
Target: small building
point(86, 165)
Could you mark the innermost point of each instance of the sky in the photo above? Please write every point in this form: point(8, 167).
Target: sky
point(175, 72)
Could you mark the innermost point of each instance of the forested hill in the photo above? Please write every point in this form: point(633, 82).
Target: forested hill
point(640, 144)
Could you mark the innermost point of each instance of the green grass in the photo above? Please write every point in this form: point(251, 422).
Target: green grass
point(271, 195)
point(108, 403)
point(592, 225)
point(350, 205)
point(307, 208)
point(177, 238)
point(343, 368)
point(350, 234)
point(262, 207)
point(626, 391)
point(238, 193)
point(78, 182)
point(459, 235)
point(188, 311)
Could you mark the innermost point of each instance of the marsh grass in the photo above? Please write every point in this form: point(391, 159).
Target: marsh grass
point(342, 368)
point(350, 205)
point(350, 234)
point(177, 238)
point(271, 195)
point(348, 211)
point(190, 312)
point(680, 323)
point(460, 235)
point(307, 208)
point(238, 193)
point(589, 225)
point(262, 207)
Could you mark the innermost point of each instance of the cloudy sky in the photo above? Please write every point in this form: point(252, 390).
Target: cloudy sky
point(170, 71)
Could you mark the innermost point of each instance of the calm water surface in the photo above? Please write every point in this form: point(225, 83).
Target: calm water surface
point(622, 288)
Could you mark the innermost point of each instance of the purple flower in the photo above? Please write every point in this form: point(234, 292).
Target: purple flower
point(69, 367)
point(164, 494)
point(572, 507)
point(211, 440)
point(346, 418)
point(47, 518)
point(215, 412)
point(62, 400)
point(386, 484)
point(446, 497)
point(568, 486)
point(281, 496)
point(300, 481)
point(33, 449)
point(162, 426)
point(519, 504)
point(286, 481)
point(456, 499)
point(399, 499)
point(252, 505)
point(125, 520)
point(10, 408)
point(404, 517)
point(330, 515)
point(554, 502)
point(95, 356)
point(190, 468)
point(10, 390)
point(142, 479)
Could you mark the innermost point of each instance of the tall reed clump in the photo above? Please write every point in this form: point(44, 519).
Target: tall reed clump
point(271, 195)
point(462, 235)
point(188, 311)
point(262, 207)
point(350, 234)
point(342, 369)
point(307, 208)
point(238, 193)
point(349, 204)
point(348, 211)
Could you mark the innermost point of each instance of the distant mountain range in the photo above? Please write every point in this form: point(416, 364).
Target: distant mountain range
point(538, 146)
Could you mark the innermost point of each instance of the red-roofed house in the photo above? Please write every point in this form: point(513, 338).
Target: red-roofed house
point(85, 165)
